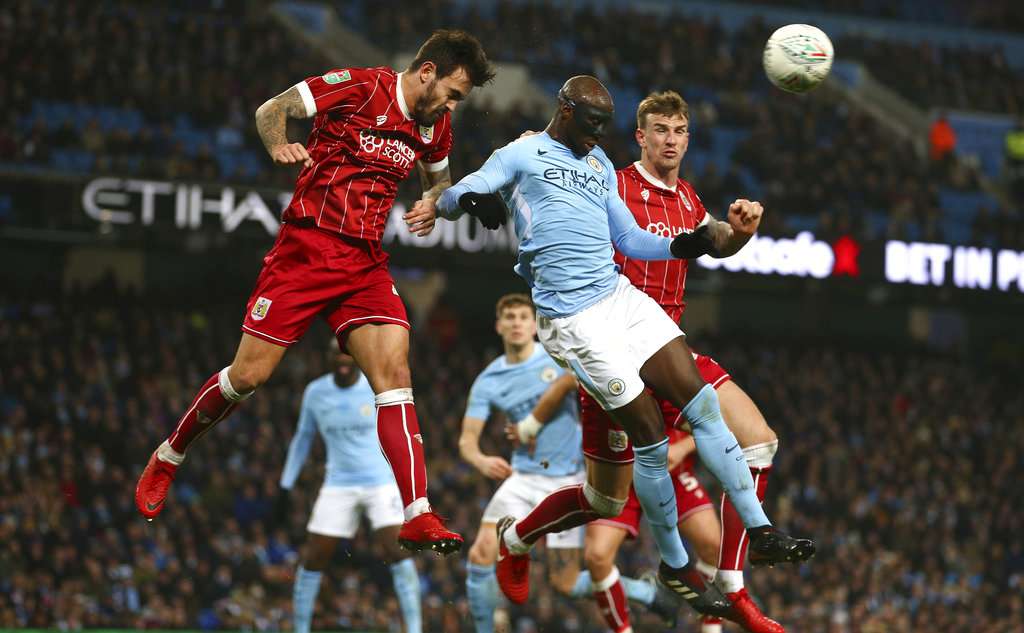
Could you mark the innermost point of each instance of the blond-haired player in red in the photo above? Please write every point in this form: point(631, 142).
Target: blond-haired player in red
point(664, 203)
point(371, 127)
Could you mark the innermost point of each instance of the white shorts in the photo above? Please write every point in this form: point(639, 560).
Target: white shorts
point(518, 494)
point(607, 344)
point(338, 509)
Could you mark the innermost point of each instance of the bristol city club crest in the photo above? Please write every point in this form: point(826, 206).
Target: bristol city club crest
point(686, 202)
point(260, 309)
point(427, 133)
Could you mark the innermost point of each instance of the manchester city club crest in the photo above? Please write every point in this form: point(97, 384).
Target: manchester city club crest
point(595, 164)
point(548, 374)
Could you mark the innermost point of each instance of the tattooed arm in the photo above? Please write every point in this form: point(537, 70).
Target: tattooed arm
point(271, 123)
point(421, 218)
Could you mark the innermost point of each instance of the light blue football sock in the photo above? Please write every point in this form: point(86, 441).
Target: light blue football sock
point(582, 587)
point(307, 586)
point(657, 497)
point(636, 590)
point(482, 591)
point(406, 581)
point(722, 454)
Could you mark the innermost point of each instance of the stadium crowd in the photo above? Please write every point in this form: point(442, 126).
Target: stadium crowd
point(122, 108)
point(904, 482)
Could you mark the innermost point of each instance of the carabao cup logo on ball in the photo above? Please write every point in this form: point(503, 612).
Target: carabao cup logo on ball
point(798, 57)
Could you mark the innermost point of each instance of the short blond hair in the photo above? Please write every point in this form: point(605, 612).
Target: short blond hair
point(513, 300)
point(668, 103)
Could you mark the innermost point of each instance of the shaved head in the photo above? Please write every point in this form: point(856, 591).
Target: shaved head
point(584, 109)
point(587, 89)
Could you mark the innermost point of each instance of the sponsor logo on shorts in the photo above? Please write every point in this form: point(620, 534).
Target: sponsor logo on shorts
point(618, 441)
point(394, 290)
point(616, 386)
point(548, 374)
point(260, 309)
point(595, 164)
point(419, 438)
point(337, 78)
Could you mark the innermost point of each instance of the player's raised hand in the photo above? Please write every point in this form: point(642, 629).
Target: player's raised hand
point(291, 153)
point(745, 216)
point(422, 217)
point(494, 467)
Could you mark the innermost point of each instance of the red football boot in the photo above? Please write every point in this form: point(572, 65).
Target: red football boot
point(745, 613)
point(427, 531)
point(512, 570)
point(151, 491)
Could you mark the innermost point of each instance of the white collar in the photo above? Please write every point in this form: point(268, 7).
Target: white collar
point(400, 96)
point(650, 178)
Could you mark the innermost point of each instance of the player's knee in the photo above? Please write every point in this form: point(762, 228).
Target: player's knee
point(484, 551)
point(605, 506)
point(708, 548)
point(762, 454)
point(244, 378)
point(392, 374)
point(598, 561)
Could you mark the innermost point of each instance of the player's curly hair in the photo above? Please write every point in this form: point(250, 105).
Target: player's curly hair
point(451, 49)
point(513, 300)
point(667, 102)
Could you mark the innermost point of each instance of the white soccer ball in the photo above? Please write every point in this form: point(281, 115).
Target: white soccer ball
point(798, 57)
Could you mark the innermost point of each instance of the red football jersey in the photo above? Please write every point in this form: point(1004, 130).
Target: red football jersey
point(666, 212)
point(363, 143)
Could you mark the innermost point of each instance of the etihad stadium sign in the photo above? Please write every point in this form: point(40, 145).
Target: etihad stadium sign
point(192, 207)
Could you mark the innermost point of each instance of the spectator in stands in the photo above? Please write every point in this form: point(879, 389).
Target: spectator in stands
point(1014, 152)
point(941, 144)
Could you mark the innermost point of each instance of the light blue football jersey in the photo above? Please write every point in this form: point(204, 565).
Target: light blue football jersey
point(346, 419)
point(514, 389)
point(567, 215)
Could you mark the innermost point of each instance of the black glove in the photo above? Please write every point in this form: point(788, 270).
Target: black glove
point(486, 207)
point(282, 506)
point(693, 245)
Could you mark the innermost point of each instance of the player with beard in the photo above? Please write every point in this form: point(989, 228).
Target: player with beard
point(371, 127)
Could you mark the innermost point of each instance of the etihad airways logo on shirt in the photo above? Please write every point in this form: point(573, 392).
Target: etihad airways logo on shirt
point(576, 179)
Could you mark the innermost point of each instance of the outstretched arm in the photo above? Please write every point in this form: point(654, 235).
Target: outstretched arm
point(629, 238)
point(469, 448)
point(492, 176)
point(421, 218)
point(727, 238)
point(271, 123)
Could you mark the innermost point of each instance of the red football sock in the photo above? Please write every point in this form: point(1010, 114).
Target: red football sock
point(398, 430)
point(561, 510)
point(733, 554)
point(214, 402)
point(611, 598)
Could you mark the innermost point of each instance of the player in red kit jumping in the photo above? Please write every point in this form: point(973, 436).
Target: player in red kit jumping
point(371, 126)
point(664, 203)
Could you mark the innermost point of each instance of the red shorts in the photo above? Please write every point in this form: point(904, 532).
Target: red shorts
point(690, 499)
point(605, 441)
point(309, 272)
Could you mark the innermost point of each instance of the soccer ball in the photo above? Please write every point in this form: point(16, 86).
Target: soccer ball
point(797, 57)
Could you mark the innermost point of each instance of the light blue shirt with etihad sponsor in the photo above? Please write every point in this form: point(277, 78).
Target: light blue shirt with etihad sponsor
point(514, 389)
point(345, 417)
point(567, 215)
